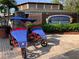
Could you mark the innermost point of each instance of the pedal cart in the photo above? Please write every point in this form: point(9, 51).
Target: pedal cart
point(21, 36)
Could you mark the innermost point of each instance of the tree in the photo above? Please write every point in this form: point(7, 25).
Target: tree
point(72, 5)
point(55, 1)
point(8, 4)
point(3, 11)
point(1, 8)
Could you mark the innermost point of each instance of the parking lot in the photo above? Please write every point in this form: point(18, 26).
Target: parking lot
point(59, 47)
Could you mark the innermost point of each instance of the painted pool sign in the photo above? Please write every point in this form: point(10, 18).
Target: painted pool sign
point(59, 19)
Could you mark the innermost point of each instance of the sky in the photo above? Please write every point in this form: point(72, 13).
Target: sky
point(23, 1)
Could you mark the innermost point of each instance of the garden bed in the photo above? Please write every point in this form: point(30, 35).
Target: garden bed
point(76, 33)
point(2, 33)
point(71, 33)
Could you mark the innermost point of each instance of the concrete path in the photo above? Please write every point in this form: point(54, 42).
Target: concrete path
point(59, 47)
point(67, 47)
point(6, 53)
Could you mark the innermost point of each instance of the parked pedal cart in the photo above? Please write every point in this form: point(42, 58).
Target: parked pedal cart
point(21, 36)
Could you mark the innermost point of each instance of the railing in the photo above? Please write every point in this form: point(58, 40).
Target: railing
point(43, 10)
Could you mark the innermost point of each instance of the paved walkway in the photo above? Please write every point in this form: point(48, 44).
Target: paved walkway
point(6, 53)
point(66, 48)
point(59, 47)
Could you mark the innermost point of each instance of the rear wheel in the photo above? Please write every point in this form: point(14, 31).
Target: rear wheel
point(43, 43)
point(23, 51)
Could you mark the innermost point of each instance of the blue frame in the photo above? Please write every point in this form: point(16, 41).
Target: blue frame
point(21, 37)
point(40, 32)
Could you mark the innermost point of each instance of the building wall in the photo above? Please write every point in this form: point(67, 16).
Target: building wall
point(23, 7)
point(47, 10)
point(37, 17)
point(55, 7)
point(73, 15)
point(32, 6)
point(40, 6)
point(41, 17)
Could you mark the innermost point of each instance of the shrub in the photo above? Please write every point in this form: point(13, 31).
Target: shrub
point(74, 27)
point(49, 28)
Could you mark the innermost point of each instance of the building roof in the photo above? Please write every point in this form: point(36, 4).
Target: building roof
point(39, 3)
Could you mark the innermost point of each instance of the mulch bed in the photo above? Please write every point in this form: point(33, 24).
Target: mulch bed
point(71, 33)
point(76, 33)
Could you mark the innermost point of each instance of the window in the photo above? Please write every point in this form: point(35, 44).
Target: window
point(24, 7)
point(55, 7)
point(47, 7)
point(40, 6)
point(32, 6)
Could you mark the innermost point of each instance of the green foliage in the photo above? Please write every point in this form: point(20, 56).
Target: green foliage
point(72, 5)
point(69, 5)
point(55, 1)
point(2, 9)
point(31, 25)
point(74, 27)
point(50, 28)
point(9, 3)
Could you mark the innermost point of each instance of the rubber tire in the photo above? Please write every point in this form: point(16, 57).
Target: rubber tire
point(43, 43)
point(23, 51)
point(10, 40)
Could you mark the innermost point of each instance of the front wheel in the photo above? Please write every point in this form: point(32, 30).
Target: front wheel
point(23, 51)
point(44, 43)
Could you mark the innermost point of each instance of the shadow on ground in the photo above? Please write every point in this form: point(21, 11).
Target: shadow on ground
point(73, 54)
point(11, 54)
point(52, 41)
point(5, 51)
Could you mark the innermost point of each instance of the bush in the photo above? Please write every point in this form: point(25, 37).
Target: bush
point(74, 27)
point(60, 27)
point(47, 28)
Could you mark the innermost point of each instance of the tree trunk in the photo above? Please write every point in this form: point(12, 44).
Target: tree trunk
point(4, 17)
point(8, 15)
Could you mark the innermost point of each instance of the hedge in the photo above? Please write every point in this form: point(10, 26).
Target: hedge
point(59, 27)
